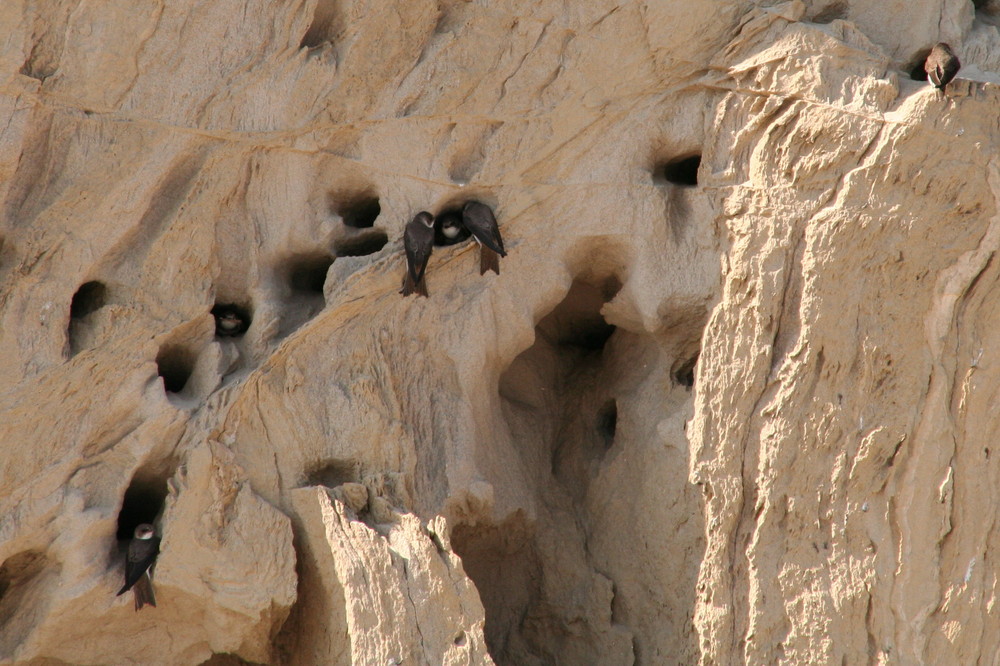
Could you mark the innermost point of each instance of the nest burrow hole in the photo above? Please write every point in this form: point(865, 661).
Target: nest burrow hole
point(144, 497)
point(916, 66)
point(90, 297)
point(683, 370)
point(682, 171)
point(175, 363)
point(357, 211)
point(307, 272)
point(325, 25)
point(360, 245)
point(450, 217)
point(333, 472)
point(232, 319)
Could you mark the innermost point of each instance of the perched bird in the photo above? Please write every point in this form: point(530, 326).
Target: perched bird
point(448, 228)
point(418, 241)
point(142, 552)
point(229, 321)
point(941, 65)
point(478, 218)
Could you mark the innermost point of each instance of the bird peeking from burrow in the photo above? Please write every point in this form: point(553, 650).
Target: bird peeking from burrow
point(230, 321)
point(941, 66)
point(142, 552)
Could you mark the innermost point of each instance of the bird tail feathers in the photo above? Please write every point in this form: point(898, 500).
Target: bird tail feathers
point(411, 287)
point(488, 260)
point(143, 592)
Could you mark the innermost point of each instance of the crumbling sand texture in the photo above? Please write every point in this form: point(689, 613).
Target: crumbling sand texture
point(732, 398)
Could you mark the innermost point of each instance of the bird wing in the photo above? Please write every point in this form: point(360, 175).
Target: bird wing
point(480, 221)
point(418, 241)
point(937, 74)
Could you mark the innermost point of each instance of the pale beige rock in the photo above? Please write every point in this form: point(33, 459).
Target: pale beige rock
point(407, 600)
point(816, 487)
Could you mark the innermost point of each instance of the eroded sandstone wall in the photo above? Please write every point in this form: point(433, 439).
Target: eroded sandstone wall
point(731, 398)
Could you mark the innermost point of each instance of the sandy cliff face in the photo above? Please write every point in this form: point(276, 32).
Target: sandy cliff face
point(731, 398)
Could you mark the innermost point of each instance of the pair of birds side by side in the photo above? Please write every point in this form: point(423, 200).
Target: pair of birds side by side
point(941, 65)
point(418, 241)
point(142, 552)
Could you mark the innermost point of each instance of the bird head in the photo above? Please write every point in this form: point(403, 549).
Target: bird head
point(229, 321)
point(144, 531)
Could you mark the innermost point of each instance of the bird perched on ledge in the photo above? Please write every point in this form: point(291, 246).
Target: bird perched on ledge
point(941, 65)
point(418, 242)
point(142, 552)
point(478, 218)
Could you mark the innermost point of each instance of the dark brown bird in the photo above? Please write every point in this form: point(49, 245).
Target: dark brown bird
point(479, 220)
point(941, 65)
point(142, 552)
point(418, 241)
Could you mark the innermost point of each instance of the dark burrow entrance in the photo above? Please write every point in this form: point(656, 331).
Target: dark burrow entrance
point(302, 277)
point(89, 298)
point(144, 497)
point(358, 211)
point(681, 171)
point(360, 244)
point(16, 575)
point(175, 363)
point(306, 273)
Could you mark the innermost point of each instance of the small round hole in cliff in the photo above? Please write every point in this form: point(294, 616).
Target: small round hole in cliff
point(332, 473)
point(358, 211)
point(502, 561)
point(90, 297)
point(831, 12)
point(325, 25)
point(175, 363)
point(681, 171)
point(144, 497)
point(916, 66)
point(360, 245)
point(307, 272)
point(682, 371)
point(19, 573)
point(18, 569)
point(577, 321)
point(231, 319)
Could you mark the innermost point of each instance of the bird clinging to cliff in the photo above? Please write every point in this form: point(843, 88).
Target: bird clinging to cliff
point(142, 552)
point(418, 241)
point(941, 65)
point(478, 219)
